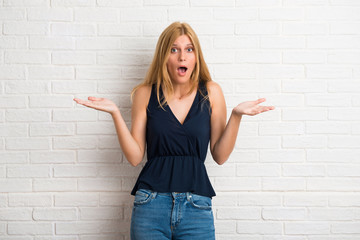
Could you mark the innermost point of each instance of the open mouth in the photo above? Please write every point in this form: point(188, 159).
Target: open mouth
point(182, 69)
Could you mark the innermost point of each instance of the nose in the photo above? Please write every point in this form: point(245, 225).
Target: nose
point(182, 56)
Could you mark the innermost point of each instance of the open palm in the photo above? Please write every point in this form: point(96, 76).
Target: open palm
point(102, 104)
point(252, 107)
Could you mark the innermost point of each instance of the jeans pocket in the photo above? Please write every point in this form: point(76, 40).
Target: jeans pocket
point(200, 202)
point(142, 197)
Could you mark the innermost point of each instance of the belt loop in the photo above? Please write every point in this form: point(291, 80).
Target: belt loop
point(154, 195)
point(188, 196)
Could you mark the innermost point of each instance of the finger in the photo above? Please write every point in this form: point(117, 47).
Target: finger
point(94, 98)
point(260, 100)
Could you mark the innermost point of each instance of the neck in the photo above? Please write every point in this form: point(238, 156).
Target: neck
point(181, 90)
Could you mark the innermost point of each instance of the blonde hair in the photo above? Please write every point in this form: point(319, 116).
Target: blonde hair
point(158, 73)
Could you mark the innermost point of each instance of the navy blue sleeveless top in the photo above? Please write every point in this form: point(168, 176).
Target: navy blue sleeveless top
point(176, 152)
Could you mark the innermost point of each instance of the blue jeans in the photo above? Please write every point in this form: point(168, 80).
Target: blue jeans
point(171, 216)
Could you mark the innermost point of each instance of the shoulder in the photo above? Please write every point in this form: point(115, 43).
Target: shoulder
point(142, 95)
point(215, 92)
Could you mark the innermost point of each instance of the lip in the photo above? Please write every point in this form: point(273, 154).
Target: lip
point(180, 73)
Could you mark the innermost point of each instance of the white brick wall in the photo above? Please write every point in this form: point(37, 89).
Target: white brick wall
point(295, 171)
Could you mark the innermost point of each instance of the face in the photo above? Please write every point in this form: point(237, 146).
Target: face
point(182, 60)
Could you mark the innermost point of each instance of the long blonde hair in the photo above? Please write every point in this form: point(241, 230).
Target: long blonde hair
point(158, 73)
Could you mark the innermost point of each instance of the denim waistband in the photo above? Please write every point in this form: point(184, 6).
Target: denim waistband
point(187, 195)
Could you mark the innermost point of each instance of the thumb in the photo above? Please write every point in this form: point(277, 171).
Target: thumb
point(94, 98)
point(260, 100)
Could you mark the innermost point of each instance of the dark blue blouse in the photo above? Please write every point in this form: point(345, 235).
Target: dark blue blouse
point(176, 152)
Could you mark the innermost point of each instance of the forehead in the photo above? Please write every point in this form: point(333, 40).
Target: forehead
point(183, 40)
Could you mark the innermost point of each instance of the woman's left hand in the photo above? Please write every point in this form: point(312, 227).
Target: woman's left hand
point(251, 108)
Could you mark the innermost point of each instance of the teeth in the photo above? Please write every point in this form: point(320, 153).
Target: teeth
point(182, 69)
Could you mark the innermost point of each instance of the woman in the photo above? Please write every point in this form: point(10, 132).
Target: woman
point(176, 112)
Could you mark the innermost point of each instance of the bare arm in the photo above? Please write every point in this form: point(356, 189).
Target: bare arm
point(223, 136)
point(132, 142)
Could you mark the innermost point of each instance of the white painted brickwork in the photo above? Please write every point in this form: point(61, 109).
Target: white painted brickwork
point(295, 171)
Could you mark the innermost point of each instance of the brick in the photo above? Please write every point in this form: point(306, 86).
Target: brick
point(75, 87)
point(283, 184)
point(50, 14)
point(332, 13)
point(13, 130)
point(13, 157)
point(30, 57)
point(306, 199)
point(15, 185)
point(12, 14)
point(53, 157)
point(46, 101)
point(258, 3)
point(238, 213)
point(344, 86)
point(282, 42)
point(56, 214)
point(73, 3)
point(75, 171)
point(26, 171)
point(102, 43)
point(96, 15)
point(346, 228)
point(52, 43)
point(257, 142)
point(344, 141)
point(22, 3)
point(284, 214)
point(307, 228)
point(337, 42)
point(216, 28)
point(51, 129)
point(281, 13)
point(245, 227)
point(294, 56)
point(308, 170)
point(136, 14)
point(103, 184)
point(344, 28)
point(304, 141)
point(309, 28)
point(101, 213)
point(282, 156)
point(333, 184)
point(97, 73)
point(87, 142)
point(30, 200)
point(333, 155)
point(283, 128)
point(22, 115)
point(328, 127)
point(280, 71)
point(331, 214)
point(191, 14)
point(235, 42)
point(30, 228)
point(88, 156)
point(73, 29)
point(211, 3)
point(76, 199)
point(237, 184)
point(256, 170)
point(13, 42)
point(28, 143)
point(51, 73)
point(238, 14)
point(76, 115)
point(25, 28)
point(12, 73)
point(16, 214)
point(301, 86)
point(301, 114)
point(27, 87)
point(54, 185)
point(257, 28)
point(72, 58)
point(115, 3)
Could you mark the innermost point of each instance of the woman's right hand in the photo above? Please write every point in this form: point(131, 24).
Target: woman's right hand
point(102, 104)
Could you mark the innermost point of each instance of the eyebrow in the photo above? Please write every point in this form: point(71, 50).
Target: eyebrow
point(189, 44)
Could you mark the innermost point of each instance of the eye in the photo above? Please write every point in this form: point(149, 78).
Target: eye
point(190, 49)
point(173, 50)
